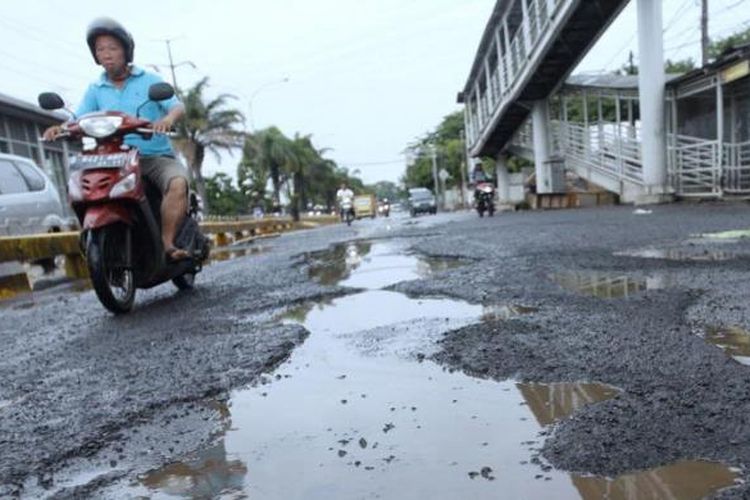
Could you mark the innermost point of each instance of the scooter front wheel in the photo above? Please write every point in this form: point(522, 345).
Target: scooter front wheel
point(113, 283)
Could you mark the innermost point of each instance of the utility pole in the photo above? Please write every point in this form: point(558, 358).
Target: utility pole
point(171, 62)
point(172, 65)
point(704, 32)
point(631, 65)
point(463, 171)
point(433, 151)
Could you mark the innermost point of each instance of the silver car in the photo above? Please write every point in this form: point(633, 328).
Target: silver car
point(29, 202)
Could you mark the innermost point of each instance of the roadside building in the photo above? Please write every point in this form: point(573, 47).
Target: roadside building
point(21, 127)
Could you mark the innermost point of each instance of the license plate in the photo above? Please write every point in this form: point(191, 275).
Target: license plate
point(87, 162)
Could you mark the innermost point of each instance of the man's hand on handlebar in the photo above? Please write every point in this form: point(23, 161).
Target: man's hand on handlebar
point(163, 126)
point(53, 132)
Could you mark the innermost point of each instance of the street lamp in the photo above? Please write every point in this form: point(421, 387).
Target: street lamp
point(255, 93)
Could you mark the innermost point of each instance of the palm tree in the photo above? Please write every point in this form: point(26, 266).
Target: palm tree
point(207, 126)
point(304, 157)
point(266, 154)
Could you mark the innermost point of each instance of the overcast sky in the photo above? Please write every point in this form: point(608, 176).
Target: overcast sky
point(366, 77)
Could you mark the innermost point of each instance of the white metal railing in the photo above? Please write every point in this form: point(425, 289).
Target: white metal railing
point(606, 147)
point(736, 167)
point(697, 167)
point(694, 165)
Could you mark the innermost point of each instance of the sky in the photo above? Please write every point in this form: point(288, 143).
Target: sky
point(365, 78)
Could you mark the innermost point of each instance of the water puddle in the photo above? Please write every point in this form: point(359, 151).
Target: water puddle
point(608, 285)
point(734, 234)
point(357, 412)
point(735, 341)
point(364, 264)
point(234, 252)
point(696, 254)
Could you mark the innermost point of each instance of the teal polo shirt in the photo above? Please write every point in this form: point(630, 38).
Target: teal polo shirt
point(103, 95)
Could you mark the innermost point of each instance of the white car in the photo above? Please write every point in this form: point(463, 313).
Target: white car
point(29, 202)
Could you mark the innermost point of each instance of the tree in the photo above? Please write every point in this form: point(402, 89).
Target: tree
point(224, 197)
point(294, 165)
point(265, 155)
point(207, 126)
point(718, 46)
point(670, 67)
point(449, 152)
point(680, 66)
point(303, 156)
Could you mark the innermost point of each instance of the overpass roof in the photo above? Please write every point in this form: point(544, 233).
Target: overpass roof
point(610, 81)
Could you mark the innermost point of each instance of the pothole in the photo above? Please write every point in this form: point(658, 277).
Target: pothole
point(609, 285)
point(735, 341)
point(357, 412)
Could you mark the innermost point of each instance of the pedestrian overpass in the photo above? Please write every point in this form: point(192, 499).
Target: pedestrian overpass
point(528, 49)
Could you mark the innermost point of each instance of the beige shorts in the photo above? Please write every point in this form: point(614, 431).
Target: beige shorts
point(159, 170)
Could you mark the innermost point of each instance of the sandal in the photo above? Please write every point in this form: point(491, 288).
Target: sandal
point(174, 254)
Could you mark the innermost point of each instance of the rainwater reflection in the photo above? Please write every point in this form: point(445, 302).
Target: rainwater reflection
point(233, 252)
point(551, 402)
point(210, 474)
point(687, 480)
point(691, 254)
point(608, 285)
point(364, 264)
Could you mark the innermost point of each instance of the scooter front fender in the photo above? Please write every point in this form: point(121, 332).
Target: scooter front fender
point(104, 215)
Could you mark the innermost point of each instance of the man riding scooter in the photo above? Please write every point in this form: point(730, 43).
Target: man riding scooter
point(345, 199)
point(484, 191)
point(124, 87)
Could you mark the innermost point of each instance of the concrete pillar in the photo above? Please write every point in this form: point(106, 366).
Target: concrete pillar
point(651, 80)
point(540, 130)
point(503, 179)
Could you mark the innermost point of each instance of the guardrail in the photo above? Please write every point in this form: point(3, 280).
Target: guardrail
point(36, 247)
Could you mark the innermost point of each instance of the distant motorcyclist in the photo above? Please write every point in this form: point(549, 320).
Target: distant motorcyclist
point(477, 177)
point(478, 174)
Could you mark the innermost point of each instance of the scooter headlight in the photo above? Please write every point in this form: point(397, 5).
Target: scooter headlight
point(123, 186)
point(100, 126)
point(74, 188)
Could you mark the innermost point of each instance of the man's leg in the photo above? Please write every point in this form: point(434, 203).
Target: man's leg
point(173, 210)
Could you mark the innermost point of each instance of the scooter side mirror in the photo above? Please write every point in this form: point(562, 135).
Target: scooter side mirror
point(160, 91)
point(50, 101)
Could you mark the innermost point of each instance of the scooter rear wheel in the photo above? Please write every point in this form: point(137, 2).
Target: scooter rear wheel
point(114, 285)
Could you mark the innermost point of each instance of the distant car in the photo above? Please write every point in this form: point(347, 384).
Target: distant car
point(29, 202)
point(421, 200)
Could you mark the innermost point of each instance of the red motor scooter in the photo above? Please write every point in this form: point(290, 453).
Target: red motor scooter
point(119, 210)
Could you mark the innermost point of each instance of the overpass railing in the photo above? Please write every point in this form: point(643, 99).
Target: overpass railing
point(513, 54)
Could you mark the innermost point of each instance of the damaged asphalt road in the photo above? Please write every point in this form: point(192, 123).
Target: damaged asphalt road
point(88, 399)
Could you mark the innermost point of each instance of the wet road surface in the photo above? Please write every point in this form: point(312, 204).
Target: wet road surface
point(435, 358)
